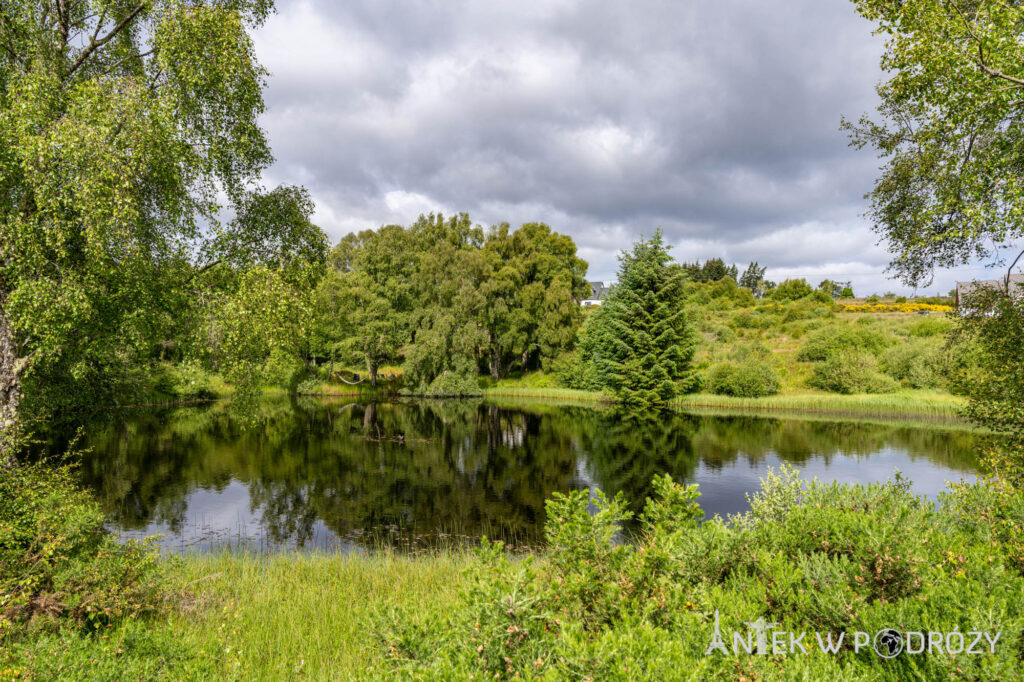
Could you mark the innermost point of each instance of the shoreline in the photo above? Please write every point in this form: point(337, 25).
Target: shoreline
point(916, 405)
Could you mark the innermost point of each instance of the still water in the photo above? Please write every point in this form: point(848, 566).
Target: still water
point(332, 474)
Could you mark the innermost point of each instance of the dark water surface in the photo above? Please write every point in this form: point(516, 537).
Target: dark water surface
point(354, 476)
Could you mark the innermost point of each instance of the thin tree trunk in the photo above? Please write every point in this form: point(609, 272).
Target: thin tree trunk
point(372, 369)
point(494, 363)
point(10, 388)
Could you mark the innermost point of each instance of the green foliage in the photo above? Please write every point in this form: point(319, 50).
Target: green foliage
point(531, 311)
point(723, 293)
point(752, 279)
point(828, 341)
point(752, 377)
point(850, 371)
point(809, 555)
point(119, 155)
point(834, 289)
point(442, 294)
point(712, 270)
point(459, 380)
point(992, 324)
point(917, 363)
point(58, 565)
point(639, 341)
point(930, 326)
point(948, 130)
point(791, 290)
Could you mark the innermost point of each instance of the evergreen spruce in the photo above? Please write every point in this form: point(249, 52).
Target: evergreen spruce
point(639, 341)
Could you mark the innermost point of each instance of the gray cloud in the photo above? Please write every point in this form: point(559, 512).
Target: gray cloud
point(717, 121)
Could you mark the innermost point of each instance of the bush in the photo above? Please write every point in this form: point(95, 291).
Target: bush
point(851, 372)
point(283, 370)
point(917, 363)
point(811, 555)
point(458, 381)
point(58, 565)
point(827, 341)
point(792, 290)
point(571, 371)
point(930, 326)
point(751, 378)
point(820, 296)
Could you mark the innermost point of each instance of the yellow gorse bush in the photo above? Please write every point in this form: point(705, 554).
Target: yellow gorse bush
point(893, 308)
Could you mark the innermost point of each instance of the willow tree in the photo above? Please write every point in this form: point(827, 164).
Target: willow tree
point(532, 292)
point(123, 126)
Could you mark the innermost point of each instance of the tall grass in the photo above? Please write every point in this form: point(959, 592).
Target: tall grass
point(902, 404)
point(308, 616)
point(567, 394)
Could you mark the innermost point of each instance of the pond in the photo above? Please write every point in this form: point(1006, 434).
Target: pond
point(352, 476)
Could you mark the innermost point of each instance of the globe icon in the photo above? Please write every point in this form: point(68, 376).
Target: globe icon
point(888, 643)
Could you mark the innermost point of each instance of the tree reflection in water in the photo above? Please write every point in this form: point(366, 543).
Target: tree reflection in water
point(370, 473)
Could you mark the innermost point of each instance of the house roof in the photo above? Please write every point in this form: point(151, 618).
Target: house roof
point(597, 290)
point(1016, 285)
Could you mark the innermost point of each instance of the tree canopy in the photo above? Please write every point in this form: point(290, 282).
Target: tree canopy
point(949, 128)
point(639, 342)
point(446, 298)
point(129, 135)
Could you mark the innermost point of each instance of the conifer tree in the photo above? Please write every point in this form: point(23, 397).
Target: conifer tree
point(640, 342)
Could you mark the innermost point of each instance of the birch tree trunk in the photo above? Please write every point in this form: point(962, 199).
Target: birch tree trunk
point(10, 388)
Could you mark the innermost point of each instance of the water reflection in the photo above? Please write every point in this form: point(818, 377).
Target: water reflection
point(356, 475)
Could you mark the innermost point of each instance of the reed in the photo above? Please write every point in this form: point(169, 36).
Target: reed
point(902, 404)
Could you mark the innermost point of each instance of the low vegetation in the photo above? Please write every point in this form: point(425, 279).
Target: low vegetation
point(808, 556)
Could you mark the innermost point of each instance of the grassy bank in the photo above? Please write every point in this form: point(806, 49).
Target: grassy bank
point(309, 616)
point(808, 556)
point(249, 617)
point(902, 404)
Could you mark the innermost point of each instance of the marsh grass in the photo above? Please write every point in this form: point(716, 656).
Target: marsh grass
point(566, 394)
point(926, 404)
point(903, 404)
point(305, 615)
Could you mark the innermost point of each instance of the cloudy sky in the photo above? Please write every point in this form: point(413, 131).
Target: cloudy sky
point(716, 120)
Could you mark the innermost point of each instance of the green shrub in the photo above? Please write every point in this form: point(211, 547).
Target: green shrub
point(163, 381)
point(930, 326)
point(57, 563)
point(571, 371)
point(851, 371)
point(458, 381)
point(813, 556)
point(283, 370)
point(792, 290)
point(917, 363)
point(828, 341)
point(750, 378)
point(743, 320)
point(308, 386)
point(820, 296)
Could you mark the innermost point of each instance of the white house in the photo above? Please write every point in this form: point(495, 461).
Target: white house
point(598, 292)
